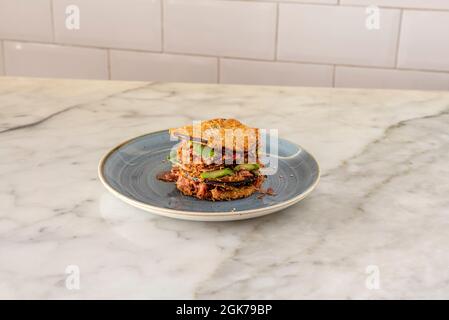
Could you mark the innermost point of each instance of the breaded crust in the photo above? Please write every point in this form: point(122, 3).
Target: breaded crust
point(242, 192)
point(203, 133)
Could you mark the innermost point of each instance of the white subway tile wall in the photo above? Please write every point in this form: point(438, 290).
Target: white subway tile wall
point(128, 24)
point(49, 60)
point(425, 40)
point(275, 73)
point(349, 77)
point(127, 65)
point(220, 28)
point(272, 42)
point(26, 20)
point(311, 1)
point(335, 34)
point(420, 4)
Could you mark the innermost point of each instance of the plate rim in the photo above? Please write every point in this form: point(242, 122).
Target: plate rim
point(167, 211)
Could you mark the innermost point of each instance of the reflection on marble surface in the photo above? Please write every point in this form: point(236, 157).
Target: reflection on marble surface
point(382, 199)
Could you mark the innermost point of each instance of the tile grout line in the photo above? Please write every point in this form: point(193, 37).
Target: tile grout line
point(276, 35)
point(338, 4)
point(401, 18)
point(162, 2)
point(52, 16)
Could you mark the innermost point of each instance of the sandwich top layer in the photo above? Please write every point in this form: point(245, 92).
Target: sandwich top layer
point(226, 133)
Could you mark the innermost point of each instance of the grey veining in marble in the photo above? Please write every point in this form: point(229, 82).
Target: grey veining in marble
point(382, 201)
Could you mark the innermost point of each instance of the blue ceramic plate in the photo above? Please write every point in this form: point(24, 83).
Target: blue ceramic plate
point(129, 172)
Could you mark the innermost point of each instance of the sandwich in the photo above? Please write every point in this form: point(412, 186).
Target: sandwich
point(216, 160)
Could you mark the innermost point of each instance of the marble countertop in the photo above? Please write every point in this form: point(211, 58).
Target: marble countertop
point(377, 226)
